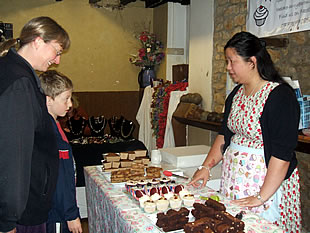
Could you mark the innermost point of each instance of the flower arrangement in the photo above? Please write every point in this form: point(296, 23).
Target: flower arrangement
point(151, 52)
point(160, 104)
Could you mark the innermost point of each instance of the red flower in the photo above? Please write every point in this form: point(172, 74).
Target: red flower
point(151, 53)
point(143, 38)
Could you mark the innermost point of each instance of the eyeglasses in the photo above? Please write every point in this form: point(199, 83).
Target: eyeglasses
point(58, 52)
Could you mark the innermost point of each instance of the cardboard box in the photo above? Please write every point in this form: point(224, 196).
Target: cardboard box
point(185, 156)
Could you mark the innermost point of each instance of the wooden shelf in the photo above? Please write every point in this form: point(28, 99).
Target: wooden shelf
point(303, 140)
point(303, 144)
point(209, 125)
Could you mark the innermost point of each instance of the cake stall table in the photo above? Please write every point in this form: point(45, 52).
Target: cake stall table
point(111, 209)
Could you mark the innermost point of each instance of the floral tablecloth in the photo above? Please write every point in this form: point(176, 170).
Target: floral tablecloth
point(111, 209)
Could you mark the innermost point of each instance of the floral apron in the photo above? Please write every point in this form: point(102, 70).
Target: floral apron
point(244, 168)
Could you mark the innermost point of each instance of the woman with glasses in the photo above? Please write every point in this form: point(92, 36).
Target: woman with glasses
point(29, 155)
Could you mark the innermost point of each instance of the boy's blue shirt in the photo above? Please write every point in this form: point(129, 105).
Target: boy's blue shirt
point(64, 205)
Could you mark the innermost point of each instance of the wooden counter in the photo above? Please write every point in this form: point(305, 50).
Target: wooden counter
point(303, 140)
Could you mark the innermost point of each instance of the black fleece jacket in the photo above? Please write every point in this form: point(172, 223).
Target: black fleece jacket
point(28, 149)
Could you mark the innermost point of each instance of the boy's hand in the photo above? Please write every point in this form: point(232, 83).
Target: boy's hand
point(75, 226)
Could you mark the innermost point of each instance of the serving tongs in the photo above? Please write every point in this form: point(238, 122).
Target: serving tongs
point(169, 173)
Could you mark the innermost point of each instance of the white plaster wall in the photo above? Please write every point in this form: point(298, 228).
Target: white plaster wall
point(201, 49)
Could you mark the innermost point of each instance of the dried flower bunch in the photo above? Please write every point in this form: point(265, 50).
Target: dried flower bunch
point(160, 104)
point(151, 53)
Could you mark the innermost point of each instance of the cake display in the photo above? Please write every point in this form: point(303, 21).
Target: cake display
point(177, 209)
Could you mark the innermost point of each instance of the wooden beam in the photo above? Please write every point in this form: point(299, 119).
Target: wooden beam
point(276, 42)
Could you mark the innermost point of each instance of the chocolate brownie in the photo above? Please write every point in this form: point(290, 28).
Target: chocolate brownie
point(215, 205)
point(199, 225)
point(230, 220)
point(202, 210)
point(208, 218)
point(224, 228)
point(172, 220)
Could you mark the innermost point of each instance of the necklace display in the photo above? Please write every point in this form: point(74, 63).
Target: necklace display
point(127, 126)
point(76, 126)
point(115, 125)
point(97, 124)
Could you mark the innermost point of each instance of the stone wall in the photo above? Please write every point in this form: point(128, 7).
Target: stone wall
point(293, 61)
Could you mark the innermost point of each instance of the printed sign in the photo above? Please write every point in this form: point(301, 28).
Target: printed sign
point(274, 17)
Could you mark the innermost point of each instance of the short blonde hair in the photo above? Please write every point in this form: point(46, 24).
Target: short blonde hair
point(54, 83)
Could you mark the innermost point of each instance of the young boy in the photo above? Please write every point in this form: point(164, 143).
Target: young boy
point(58, 90)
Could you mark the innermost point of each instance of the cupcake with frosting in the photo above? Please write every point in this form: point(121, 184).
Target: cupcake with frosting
point(149, 206)
point(175, 202)
point(260, 15)
point(165, 180)
point(162, 204)
point(154, 182)
point(142, 183)
point(189, 200)
point(130, 184)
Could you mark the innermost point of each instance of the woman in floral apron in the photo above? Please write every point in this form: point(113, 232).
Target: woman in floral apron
point(257, 140)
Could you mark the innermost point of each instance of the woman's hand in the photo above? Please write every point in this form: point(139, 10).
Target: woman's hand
point(250, 202)
point(214, 157)
point(203, 175)
point(75, 226)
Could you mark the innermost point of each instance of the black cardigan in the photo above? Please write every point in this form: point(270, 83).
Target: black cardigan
point(279, 123)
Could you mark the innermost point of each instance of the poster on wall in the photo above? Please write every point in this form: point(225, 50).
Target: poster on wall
point(275, 17)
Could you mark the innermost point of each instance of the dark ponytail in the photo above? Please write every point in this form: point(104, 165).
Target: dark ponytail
point(7, 44)
point(248, 45)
